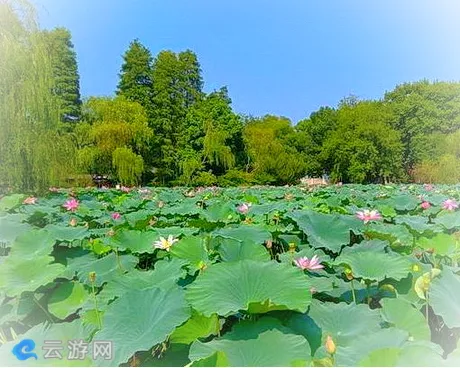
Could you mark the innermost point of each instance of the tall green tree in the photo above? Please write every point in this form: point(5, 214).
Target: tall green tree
point(212, 136)
point(312, 133)
point(33, 153)
point(177, 85)
point(364, 148)
point(65, 72)
point(420, 110)
point(136, 80)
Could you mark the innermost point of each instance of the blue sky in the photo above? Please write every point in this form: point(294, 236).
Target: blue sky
point(283, 57)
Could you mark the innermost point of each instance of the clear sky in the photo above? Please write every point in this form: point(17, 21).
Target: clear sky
point(283, 57)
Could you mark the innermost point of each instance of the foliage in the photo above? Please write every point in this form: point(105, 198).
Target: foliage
point(268, 152)
point(422, 109)
point(66, 84)
point(33, 153)
point(444, 166)
point(113, 139)
point(364, 147)
point(228, 292)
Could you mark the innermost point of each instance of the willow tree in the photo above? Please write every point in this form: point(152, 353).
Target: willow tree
point(271, 156)
point(33, 154)
point(113, 139)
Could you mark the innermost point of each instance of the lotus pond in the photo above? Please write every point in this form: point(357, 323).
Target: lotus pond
point(342, 275)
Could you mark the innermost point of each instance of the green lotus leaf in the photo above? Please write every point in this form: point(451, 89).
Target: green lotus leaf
point(164, 276)
point(403, 202)
point(397, 235)
point(318, 227)
point(442, 244)
point(246, 233)
point(418, 224)
point(9, 229)
point(359, 349)
point(67, 233)
point(421, 354)
point(134, 240)
point(256, 287)
point(220, 211)
point(404, 316)
point(106, 267)
point(343, 322)
point(18, 275)
point(248, 330)
point(233, 250)
point(449, 221)
point(444, 297)
point(270, 349)
point(186, 208)
point(32, 244)
point(175, 356)
point(386, 357)
point(375, 265)
point(176, 231)
point(66, 299)
point(198, 326)
point(141, 319)
point(141, 216)
point(11, 201)
point(192, 249)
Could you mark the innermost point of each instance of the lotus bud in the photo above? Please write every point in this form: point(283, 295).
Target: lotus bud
point(349, 274)
point(330, 345)
point(92, 276)
point(268, 244)
point(161, 204)
point(416, 268)
point(202, 266)
point(292, 247)
point(73, 222)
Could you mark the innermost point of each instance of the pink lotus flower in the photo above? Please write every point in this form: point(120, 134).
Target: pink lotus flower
point(244, 208)
point(125, 189)
point(309, 264)
point(116, 215)
point(428, 187)
point(71, 204)
point(367, 215)
point(29, 200)
point(450, 204)
point(425, 205)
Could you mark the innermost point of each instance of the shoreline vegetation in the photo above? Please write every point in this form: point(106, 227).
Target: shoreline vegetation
point(162, 129)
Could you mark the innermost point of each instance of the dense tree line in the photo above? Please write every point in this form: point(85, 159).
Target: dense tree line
point(161, 128)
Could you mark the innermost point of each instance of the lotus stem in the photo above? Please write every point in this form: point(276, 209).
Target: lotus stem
point(353, 291)
point(118, 259)
point(97, 307)
point(427, 305)
point(43, 309)
point(368, 286)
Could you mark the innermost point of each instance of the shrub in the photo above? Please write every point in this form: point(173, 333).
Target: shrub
point(204, 179)
point(235, 177)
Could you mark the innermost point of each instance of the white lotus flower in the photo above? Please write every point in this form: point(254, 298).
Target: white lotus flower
point(165, 244)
